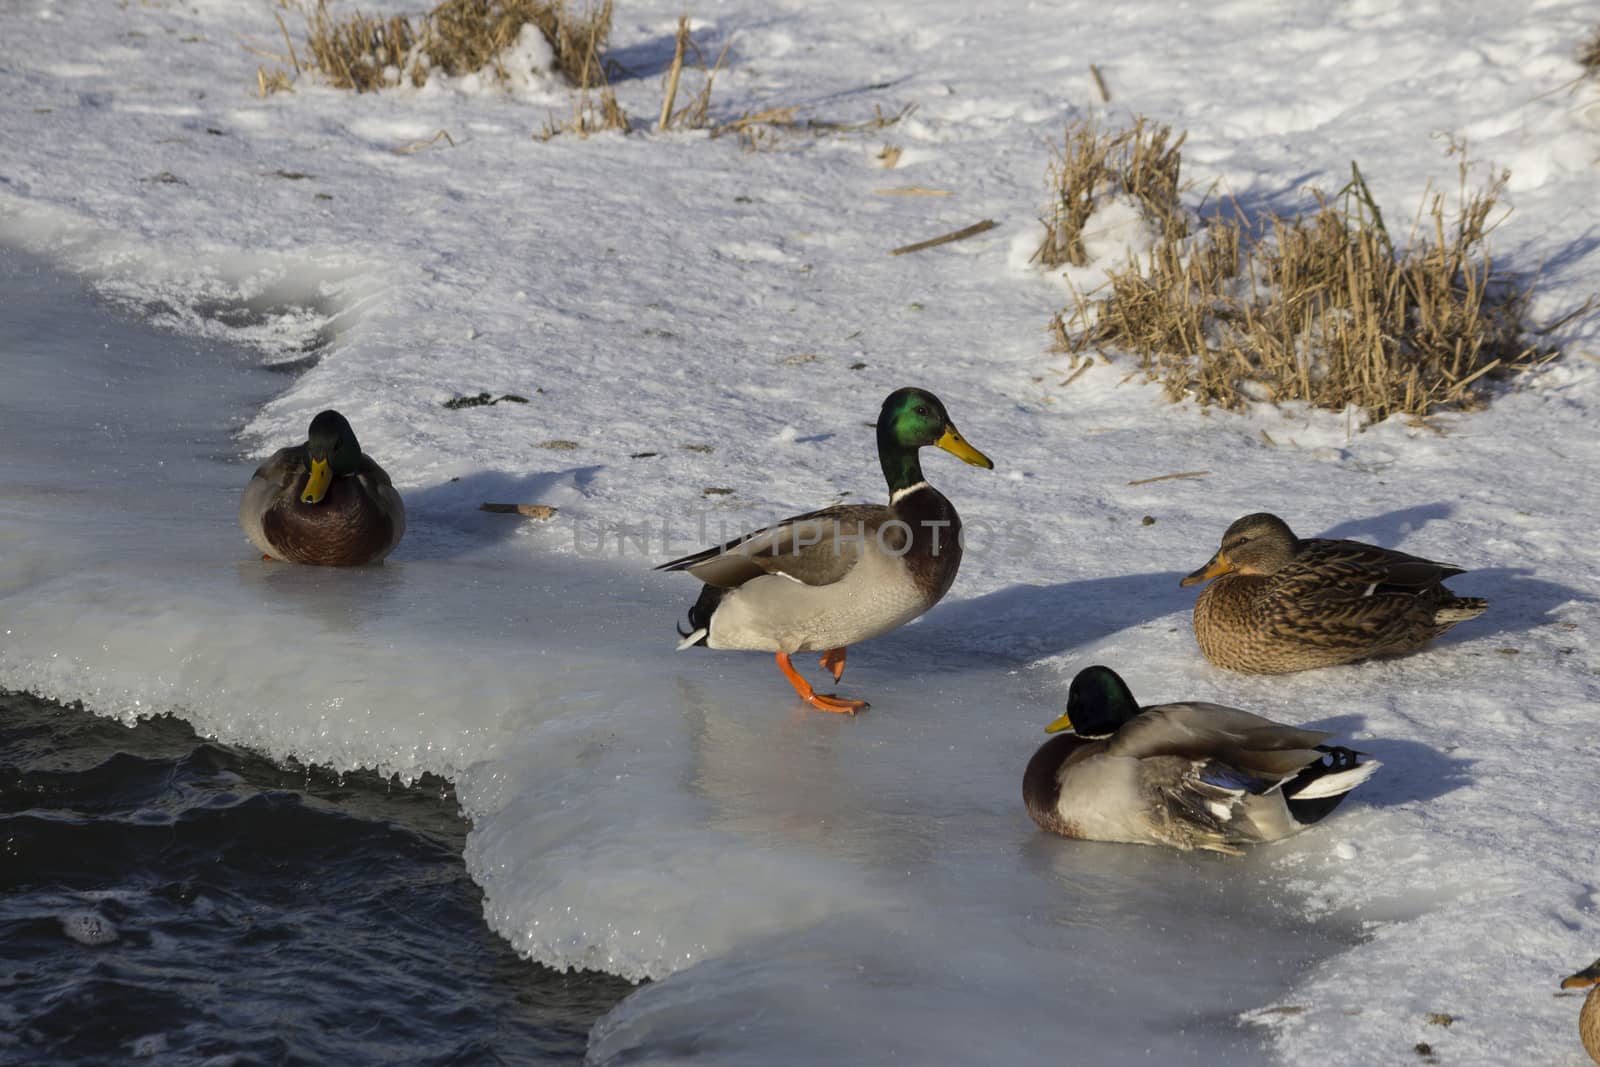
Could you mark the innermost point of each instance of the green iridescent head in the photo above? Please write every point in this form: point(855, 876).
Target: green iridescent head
point(332, 447)
point(911, 419)
point(1098, 704)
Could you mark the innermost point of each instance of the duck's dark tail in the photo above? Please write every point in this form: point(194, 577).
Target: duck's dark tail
point(1458, 609)
point(700, 617)
point(1318, 789)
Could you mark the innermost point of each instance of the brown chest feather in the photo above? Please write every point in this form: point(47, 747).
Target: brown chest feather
point(346, 529)
point(1589, 1023)
point(934, 554)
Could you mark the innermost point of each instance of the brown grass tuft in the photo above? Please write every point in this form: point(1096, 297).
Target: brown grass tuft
point(463, 36)
point(458, 37)
point(272, 81)
point(1322, 308)
point(595, 111)
point(1143, 162)
point(353, 52)
point(1589, 56)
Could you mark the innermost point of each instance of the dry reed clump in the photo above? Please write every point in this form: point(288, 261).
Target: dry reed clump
point(1589, 56)
point(458, 37)
point(1321, 308)
point(1142, 162)
point(469, 35)
point(355, 52)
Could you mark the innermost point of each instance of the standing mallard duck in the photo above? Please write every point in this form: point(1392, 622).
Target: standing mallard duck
point(323, 502)
point(829, 578)
point(1188, 775)
point(1284, 604)
point(1589, 1015)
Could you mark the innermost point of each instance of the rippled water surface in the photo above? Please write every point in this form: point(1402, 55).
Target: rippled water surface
point(162, 896)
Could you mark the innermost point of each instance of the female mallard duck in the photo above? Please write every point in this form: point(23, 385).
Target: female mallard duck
point(1283, 604)
point(1589, 1015)
point(323, 502)
point(829, 578)
point(1188, 775)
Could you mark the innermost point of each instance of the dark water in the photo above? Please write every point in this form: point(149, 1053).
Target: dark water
point(165, 899)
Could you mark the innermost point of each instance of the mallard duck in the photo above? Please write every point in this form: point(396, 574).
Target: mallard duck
point(1189, 775)
point(324, 502)
point(828, 579)
point(1284, 604)
point(1589, 1014)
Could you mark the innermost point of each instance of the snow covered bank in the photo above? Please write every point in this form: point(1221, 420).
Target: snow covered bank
point(737, 316)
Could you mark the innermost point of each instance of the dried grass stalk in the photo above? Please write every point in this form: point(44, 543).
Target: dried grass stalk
point(674, 73)
point(962, 234)
point(272, 81)
point(763, 129)
point(595, 111)
point(697, 113)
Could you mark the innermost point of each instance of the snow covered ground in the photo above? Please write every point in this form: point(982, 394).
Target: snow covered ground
point(842, 889)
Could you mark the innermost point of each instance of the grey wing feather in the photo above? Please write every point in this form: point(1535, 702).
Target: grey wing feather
point(283, 466)
point(1212, 732)
point(381, 488)
point(817, 548)
point(1185, 808)
point(374, 475)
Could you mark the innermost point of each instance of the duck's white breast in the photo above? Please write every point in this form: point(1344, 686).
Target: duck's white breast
point(774, 613)
point(1101, 799)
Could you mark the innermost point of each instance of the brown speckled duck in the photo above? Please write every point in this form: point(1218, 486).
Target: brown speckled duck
point(1589, 1016)
point(323, 502)
point(1279, 603)
point(1187, 775)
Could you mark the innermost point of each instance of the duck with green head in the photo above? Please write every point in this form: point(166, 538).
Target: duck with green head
point(1188, 775)
point(324, 501)
point(825, 580)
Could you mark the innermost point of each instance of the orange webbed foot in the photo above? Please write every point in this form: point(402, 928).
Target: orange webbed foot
point(831, 702)
point(827, 702)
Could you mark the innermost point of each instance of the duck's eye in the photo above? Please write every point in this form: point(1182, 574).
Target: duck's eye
point(923, 411)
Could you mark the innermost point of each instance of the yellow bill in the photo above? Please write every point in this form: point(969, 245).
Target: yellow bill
point(1585, 978)
point(1063, 723)
point(953, 443)
point(1216, 567)
point(317, 484)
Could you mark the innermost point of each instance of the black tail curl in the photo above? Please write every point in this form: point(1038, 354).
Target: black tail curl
point(1306, 812)
point(700, 614)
